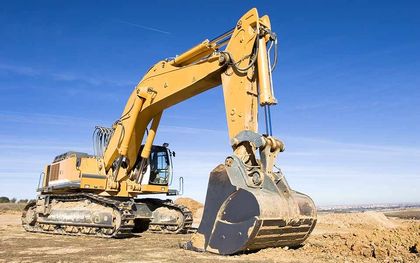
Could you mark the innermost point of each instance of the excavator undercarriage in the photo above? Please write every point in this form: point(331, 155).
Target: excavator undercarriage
point(93, 215)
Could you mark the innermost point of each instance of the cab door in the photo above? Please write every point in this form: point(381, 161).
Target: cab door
point(160, 166)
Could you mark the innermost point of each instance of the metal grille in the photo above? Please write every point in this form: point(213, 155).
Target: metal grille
point(54, 171)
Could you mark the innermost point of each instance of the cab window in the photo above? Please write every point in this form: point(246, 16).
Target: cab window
point(159, 166)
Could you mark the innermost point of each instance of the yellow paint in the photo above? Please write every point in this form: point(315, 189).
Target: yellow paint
point(151, 189)
point(152, 133)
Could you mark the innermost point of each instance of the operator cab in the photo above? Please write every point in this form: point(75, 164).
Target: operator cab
point(159, 166)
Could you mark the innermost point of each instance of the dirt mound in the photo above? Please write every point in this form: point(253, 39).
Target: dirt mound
point(376, 220)
point(192, 204)
point(363, 236)
point(385, 244)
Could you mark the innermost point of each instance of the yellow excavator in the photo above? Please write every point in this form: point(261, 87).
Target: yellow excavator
point(248, 206)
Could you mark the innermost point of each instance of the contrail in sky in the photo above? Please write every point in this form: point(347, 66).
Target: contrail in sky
point(145, 27)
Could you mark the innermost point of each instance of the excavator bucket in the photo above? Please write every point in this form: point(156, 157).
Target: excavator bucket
point(239, 218)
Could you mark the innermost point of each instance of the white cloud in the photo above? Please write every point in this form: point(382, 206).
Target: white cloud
point(62, 76)
point(21, 70)
point(44, 119)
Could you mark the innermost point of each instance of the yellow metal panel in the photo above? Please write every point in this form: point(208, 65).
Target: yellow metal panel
point(90, 165)
point(67, 170)
point(239, 88)
point(150, 189)
point(93, 183)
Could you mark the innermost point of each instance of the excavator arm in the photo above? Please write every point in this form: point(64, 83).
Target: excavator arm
point(239, 67)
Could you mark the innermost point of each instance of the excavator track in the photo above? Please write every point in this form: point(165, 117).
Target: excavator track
point(59, 221)
point(167, 224)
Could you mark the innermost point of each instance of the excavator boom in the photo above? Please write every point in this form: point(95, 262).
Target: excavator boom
point(249, 204)
point(201, 68)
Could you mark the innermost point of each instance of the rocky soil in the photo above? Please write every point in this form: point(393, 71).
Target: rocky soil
point(345, 237)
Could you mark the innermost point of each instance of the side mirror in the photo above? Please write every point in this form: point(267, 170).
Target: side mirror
point(173, 154)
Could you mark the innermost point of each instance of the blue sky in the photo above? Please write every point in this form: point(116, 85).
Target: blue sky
point(347, 85)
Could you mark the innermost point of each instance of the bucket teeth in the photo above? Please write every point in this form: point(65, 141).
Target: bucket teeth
point(239, 218)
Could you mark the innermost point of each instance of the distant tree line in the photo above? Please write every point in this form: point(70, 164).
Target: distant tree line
point(4, 199)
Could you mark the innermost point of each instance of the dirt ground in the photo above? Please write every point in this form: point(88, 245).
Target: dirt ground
point(346, 237)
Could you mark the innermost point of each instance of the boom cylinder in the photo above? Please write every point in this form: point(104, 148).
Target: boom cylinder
point(152, 133)
point(201, 50)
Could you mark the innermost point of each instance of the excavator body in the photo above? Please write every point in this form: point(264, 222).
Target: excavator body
point(71, 203)
point(249, 204)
